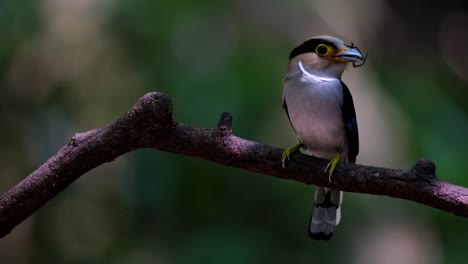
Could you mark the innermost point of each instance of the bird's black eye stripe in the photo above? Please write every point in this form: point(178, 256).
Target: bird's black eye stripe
point(309, 46)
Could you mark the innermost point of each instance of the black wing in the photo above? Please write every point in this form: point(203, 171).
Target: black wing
point(349, 118)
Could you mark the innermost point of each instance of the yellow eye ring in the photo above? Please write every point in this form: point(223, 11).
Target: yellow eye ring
point(322, 50)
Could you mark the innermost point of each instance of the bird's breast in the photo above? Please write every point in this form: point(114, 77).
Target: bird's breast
point(315, 113)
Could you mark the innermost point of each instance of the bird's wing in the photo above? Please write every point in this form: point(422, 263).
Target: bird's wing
point(285, 107)
point(349, 118)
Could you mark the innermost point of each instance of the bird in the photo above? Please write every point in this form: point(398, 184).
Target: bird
point(321, 112)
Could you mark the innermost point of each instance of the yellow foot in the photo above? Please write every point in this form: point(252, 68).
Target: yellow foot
point(332, 165)
point(288, 152)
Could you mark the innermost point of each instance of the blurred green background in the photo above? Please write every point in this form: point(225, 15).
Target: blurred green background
point(68, 66)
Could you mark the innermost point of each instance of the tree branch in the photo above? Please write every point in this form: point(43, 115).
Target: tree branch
point(149, 124)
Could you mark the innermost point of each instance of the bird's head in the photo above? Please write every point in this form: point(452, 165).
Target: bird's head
point(326, 56)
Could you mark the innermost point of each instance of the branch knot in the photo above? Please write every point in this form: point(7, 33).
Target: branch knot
point(424, 169)
point(224, 128)
point(159, 106)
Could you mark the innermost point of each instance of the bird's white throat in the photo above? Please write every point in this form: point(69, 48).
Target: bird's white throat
point(313, 77)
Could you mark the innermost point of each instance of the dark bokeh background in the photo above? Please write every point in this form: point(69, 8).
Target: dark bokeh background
point(70, 66)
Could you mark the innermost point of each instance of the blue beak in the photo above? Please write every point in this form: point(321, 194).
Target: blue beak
point(350, 55)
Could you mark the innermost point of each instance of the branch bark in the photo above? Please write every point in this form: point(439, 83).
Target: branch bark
point(149, 124)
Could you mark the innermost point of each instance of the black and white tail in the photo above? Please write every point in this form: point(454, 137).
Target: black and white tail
point(326, 213)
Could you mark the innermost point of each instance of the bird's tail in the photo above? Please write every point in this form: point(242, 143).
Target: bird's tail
point(326, 213)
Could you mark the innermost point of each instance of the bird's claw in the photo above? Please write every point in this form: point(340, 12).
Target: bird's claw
point(288, 152)
point(332, 165)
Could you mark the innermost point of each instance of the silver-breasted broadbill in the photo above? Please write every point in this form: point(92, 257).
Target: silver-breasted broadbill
point(321, 111)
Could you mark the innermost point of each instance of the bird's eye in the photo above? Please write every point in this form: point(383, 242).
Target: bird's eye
point(322, 50)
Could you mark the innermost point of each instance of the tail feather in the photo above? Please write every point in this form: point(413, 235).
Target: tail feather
point(326, 213)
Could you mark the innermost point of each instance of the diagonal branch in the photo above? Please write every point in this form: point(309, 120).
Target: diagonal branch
point(149, 124)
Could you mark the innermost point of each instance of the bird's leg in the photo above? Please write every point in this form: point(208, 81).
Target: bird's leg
point(332, 165)
point(288, 152)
